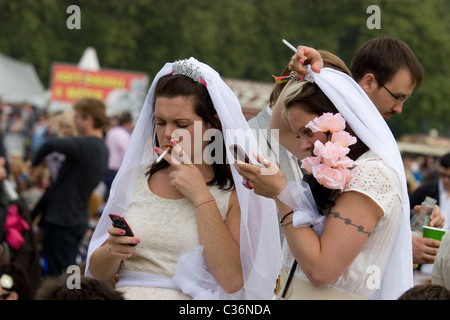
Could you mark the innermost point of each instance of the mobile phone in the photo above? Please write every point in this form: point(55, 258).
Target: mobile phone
point(119, 222)
point(239, 153)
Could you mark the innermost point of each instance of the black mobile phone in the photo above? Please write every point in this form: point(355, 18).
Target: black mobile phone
point(239, 153)
point(119, 222)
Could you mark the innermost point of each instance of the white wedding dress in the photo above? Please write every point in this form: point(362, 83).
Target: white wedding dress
point(375, 179)
point(167, 229)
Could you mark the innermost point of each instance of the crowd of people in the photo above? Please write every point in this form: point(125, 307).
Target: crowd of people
point(56, 184)
point(322, 211)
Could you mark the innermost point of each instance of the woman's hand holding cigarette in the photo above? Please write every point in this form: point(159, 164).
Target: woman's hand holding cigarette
point(304, 55)
point(186, 176)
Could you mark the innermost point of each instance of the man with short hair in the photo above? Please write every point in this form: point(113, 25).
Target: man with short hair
point(65, 203)
point(388, 71)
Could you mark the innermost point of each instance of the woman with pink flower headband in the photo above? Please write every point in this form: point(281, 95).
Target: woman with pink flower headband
point(346, 225)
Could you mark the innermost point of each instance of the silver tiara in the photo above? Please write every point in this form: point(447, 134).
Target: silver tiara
point(188, 69)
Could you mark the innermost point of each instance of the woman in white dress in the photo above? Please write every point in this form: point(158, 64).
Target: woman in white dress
point(360, 246)
point(196, 227)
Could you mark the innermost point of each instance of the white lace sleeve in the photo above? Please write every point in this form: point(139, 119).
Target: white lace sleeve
point(375, 179)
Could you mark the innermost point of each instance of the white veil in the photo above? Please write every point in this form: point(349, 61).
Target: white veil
point(259, 232)
point(368, 124)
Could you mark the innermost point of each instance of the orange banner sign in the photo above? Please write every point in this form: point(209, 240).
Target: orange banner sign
point(70, 83)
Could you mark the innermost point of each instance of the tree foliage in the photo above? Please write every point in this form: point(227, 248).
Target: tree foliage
point(239, 38)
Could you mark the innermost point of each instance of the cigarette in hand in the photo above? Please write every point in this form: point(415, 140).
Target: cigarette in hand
point(290, 46)
point(163, 154)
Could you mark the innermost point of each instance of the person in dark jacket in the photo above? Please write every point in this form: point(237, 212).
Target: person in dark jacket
point(65, 203)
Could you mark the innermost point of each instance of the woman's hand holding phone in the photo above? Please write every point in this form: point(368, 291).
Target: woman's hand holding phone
point(268, 183)
point(121, 243)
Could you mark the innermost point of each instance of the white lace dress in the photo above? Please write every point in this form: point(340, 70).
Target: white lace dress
point(167, 229)
point(374, 178)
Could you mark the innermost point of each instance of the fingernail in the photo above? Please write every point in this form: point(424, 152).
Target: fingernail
point(172, 142)
point(138, 240)
point(122, 231)
point(157, 149)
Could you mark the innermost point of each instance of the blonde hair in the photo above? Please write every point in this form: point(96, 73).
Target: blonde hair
point(67, 119)
point(306, 93)
point(310, 98)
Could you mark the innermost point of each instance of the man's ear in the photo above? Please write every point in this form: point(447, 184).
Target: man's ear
point(368, 83)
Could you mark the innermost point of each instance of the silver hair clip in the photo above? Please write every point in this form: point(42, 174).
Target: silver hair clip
point(293, 77)
point(183, 67)
point(307, 77)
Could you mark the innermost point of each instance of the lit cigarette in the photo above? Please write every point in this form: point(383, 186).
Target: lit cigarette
point(163, 154)
point(290, 46)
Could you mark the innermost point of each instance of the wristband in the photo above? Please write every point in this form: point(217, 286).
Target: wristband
point(204, 202)
point(287, 214)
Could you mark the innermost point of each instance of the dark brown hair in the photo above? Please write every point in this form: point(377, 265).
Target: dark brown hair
point(426, 292)
point(383, 57)
point(90, 289)
point(172, 86)
point(21, 281)
point(94, 108)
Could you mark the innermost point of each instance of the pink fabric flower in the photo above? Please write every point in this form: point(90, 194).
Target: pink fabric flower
point(309, 163)
point(330, 153)
point(344, 138)
point(332, 178)
point(327, 122)
point(330, 164)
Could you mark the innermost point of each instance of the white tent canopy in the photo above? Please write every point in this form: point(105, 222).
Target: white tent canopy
point(89, 60)
point(19, 83)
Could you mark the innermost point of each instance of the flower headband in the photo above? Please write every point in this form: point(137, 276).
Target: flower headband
point(187, 69)
point(330, 164)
